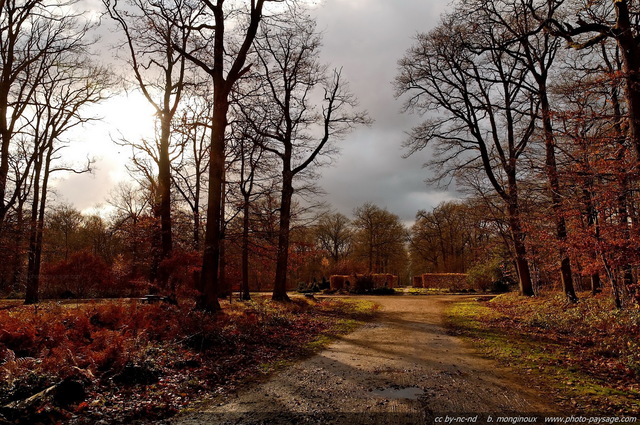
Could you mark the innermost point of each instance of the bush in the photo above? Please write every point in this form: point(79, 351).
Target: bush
point(383, 291)
point(324, 284)
point(504, 284)
point(363, 284)
point(82, 275)
point(180, 270)
point(482, 276)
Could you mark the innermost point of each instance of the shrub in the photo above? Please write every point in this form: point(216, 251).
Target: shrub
point(324, 284)
point(383, 291)
point(363, 284)
point(483, 275)
point(180, 270)
point(82, 275)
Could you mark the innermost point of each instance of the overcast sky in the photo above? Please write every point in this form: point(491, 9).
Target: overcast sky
point(366, 38)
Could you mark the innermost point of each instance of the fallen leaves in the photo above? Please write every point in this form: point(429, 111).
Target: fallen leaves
point(146, 362)
point(587, 353)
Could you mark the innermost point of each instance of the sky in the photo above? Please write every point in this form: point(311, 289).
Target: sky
point(364, 37)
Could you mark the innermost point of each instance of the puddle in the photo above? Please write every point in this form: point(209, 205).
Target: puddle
point(411, 393)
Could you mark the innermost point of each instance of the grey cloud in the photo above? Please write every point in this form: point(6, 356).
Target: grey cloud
point(366, 38)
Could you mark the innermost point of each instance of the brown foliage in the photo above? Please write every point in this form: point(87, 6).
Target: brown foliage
point(82, 275)
point(451, 281)
point(189, 351)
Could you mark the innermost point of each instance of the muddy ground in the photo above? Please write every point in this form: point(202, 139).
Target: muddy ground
point(403, 368)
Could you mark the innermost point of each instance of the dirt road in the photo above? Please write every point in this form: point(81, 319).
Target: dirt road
point(401, 369)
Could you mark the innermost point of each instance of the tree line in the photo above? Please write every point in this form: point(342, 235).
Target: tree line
point(86, 255)
point(532, 106)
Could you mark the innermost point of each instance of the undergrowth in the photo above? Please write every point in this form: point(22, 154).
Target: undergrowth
point(586, 354)
point(145, 362)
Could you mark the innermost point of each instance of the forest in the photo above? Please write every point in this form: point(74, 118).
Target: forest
point(529, 112)
point(529, 109)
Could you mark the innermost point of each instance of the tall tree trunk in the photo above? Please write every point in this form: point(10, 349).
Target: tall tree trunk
point(156, 252)
point(623, 213)
point(164, 204)
point(520, 249)
point(631, 68)
point(209, 284)
point(5, 139)
point(17, 254)
point(32, 290)
point(566, 277)
point(282, 262)
point(592, 223)
point(615, 282)
point(245, 250)
point(196, 229)
point(37, 228)
point(225, 288)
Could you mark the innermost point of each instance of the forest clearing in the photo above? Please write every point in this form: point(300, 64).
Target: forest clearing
point(198, 197)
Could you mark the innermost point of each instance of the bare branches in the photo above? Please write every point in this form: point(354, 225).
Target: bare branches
point(34, 36)
point(467, 75)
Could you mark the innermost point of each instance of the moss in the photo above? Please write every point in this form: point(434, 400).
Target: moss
point(544, 360)
point(270, 367)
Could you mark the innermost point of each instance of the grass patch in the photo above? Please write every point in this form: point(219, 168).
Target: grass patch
point(142, 363)
point(438, 291)
point(585, 355)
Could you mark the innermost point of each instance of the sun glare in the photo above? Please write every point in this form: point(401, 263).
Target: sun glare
point(129, 116)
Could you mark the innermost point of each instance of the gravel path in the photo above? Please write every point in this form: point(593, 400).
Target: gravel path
point(401, 369)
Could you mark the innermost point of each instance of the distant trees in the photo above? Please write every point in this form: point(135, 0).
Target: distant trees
point(335, 235)
point(379, 238)
point(451, 237)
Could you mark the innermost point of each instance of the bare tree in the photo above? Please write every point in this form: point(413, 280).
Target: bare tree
point(525, 39)
point(225, 64)
point(334, 235)
point(131, 205)
point(448, 238)
point(595, 22)
point(191, 168)
point(151, 29)
point(481, 114)
point(294, 122)
point(379, 237)
point(68, 86)
point(33, 34)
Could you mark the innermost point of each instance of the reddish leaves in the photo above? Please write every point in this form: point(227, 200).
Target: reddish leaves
point(106, 346)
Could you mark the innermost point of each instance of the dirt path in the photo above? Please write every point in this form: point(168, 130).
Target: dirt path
point(401, 369)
